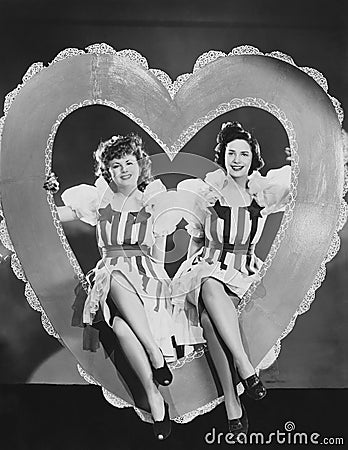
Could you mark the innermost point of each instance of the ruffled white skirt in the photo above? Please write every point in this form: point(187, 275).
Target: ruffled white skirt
point(149, 280)
point(186, 287)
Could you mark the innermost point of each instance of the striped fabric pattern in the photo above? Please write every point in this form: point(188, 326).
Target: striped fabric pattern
point(125, 240)
point(231, 233)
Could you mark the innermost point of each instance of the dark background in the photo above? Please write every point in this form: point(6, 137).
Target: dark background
point(171, 36)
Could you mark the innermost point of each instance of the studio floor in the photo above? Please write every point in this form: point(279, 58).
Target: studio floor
point(58, 417)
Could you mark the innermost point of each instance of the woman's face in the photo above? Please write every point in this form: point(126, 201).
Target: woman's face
point(238, 157)
point(124, 171)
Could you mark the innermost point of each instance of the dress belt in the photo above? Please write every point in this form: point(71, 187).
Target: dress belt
point(126, 250)
point(245, 249)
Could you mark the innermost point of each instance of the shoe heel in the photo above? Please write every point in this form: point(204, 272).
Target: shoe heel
point(163, 375)
point(162, 428)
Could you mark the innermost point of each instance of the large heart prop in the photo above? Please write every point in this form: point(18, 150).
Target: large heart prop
point(172, 114)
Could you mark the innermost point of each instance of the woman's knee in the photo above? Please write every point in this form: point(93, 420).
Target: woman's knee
point(210, 288)
point(120, 327)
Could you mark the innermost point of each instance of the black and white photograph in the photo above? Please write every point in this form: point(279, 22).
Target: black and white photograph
point(173, 238)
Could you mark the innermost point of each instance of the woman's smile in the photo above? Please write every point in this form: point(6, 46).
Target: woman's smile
point(126, 176)
point(125, 171)
point(236, 167)
point(238, 157)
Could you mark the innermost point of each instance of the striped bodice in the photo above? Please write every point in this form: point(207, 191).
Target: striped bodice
point(231, 233)
point(115, 228)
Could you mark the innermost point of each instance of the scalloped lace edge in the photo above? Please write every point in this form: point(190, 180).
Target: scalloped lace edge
point(172, 88)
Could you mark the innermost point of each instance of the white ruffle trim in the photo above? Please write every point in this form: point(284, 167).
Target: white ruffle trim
point(97, 295)
point(271, 191)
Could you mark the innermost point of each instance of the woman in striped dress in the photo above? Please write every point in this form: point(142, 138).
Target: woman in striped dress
point(123, 206)
point(226, 214)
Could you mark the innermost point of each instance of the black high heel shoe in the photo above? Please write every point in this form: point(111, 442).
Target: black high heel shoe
point(240, 425)
point(163, 375)
point(162, 428)
point(254, 387)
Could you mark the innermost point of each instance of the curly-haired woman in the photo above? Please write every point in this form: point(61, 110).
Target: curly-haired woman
point(122, 206)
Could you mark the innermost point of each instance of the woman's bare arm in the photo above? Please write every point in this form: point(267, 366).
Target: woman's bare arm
point(66, 214)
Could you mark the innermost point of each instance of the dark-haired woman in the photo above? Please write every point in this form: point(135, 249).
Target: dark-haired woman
point(226, 215)
point(122, 205)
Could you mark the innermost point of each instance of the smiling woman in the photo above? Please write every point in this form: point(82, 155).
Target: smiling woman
point(238, 158)
point(171, 113)
point(231, 209)
point(238, 152)
point(138, 307)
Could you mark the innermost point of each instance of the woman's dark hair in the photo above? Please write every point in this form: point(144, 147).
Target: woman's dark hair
point(231, 131)
point(118, 147)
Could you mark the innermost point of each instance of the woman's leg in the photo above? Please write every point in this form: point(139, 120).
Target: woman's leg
point(138, 359)
point(223, 314)
point(131, 309)
point(223, 368)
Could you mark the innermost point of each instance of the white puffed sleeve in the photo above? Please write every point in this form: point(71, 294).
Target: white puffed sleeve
point(162, 204)
point(197, 196)
point(192, 196)
point(272, 190)
point(217, 181)
point(83, 199)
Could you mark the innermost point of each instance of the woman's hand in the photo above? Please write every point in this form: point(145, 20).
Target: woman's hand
point(51, 183)
point(65, 213)
point(289, 157)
